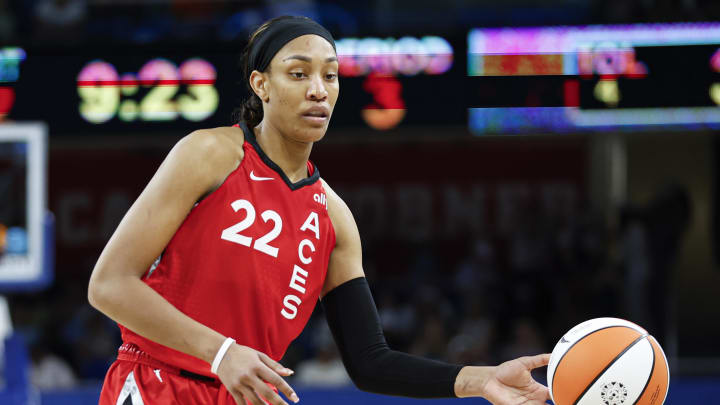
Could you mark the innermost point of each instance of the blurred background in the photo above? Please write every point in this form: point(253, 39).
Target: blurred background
point(515, 167)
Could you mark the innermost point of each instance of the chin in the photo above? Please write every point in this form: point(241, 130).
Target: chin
point(311, 134)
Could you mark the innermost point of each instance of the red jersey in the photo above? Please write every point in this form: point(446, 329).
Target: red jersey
point(249, 261)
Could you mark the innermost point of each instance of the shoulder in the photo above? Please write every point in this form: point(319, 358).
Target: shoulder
point(339, 212)
point(209, 154)
point(224, 143)
point(336, 205)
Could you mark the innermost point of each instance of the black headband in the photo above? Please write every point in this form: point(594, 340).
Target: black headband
point(279, 33)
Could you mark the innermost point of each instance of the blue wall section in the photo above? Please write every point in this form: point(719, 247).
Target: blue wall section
point(16, 373)
point(682, 392)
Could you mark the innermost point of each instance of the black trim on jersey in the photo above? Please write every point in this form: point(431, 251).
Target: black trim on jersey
point(250, 137)
point(195, 376)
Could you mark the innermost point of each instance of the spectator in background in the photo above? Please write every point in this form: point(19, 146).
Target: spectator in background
point(635, 265)
point(94, 340)
point(326, 368)
point(60, 20)
point(398, 319)
point(529, 268)
point(7, 23)
point(307, 8)
point(433, 339)
point(526, 338)
point(477, 276)
point(668, 216)
point(473, 342)
point(470, 350)
point(49, 371)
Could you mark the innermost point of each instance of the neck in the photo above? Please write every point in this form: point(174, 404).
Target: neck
point(290, 155)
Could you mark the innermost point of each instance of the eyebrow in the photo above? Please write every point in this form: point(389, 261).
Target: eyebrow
point(308, 59)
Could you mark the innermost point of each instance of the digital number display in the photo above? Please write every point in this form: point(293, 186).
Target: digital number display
point(514, 80)
point(598, 77)
point(381, 61)
point(174, 89)
point(160, 91)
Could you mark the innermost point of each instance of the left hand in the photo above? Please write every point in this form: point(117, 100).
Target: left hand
point(510, 383)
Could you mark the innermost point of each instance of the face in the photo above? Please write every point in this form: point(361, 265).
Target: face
point(301, 88)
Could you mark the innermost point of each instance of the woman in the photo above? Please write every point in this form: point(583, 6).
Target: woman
point(217, 266)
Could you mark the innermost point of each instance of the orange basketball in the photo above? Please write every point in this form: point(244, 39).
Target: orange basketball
point(608, 361)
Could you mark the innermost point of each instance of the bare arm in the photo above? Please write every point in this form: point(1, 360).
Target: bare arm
point(196, 166)
point(346, 258)
point(193, 168)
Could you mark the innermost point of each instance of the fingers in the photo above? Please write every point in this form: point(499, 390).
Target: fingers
point(275, 366)
point(251, 396)
point(545, 392)
point(248, 382)
point(540, 395)
point(279, 383)
point(257, 390)
point(269, 395)
point(239, 399)
point(532, 362)
point(256, 393)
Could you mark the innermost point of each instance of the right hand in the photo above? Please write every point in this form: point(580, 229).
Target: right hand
point(245, 371)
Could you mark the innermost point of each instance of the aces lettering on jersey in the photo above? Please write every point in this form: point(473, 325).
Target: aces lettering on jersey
point(306, 248)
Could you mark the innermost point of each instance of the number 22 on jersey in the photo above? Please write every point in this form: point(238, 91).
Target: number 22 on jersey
point(232, 233)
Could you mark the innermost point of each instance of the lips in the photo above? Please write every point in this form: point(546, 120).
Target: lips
point(317, 112)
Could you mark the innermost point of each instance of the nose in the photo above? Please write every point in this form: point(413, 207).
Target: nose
point(316, 90)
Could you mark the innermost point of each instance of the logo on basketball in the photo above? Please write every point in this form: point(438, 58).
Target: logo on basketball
point(614, 393)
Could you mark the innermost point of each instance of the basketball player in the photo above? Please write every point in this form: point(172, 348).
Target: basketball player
point(219, 263)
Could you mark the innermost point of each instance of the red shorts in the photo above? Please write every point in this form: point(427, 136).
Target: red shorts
point(137, 379)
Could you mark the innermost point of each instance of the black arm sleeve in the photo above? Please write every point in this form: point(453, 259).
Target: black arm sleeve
point(355, 324)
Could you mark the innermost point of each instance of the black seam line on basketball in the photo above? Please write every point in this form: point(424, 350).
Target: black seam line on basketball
point(269, 163)
point(652, 371)
point(578, 341)
point(597, 377)
point(667, 368)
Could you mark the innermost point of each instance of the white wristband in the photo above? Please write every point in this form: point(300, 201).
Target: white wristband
point(220, 354)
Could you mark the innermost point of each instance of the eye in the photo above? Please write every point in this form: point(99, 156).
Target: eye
point(297, 75)
point(330, 76)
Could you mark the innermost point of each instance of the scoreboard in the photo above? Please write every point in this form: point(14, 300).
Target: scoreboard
point(492, 81)
point(628, 77)
point(148, 89)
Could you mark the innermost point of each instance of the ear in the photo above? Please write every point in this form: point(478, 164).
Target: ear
point(259, 83)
